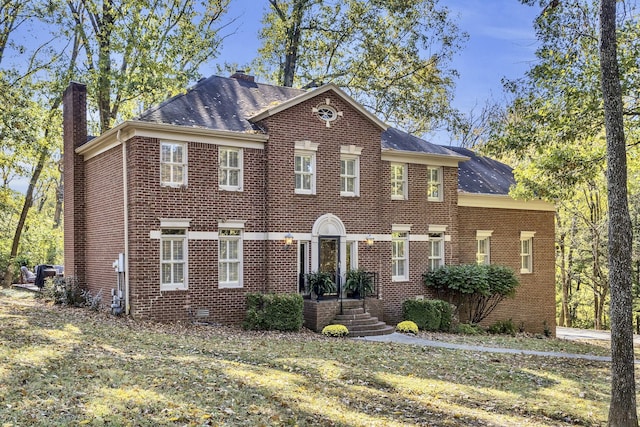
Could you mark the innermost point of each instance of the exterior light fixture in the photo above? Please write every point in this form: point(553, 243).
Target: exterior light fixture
point(369, 240)
point(288, 240)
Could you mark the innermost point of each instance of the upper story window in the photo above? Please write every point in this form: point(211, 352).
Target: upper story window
point(349, 176)
point(398, 181)
point(173, 259)
point(526, 251)
point(434, 191)
point(483, 246)
point(230, 168)
point(230, 258)
point(173, 164)
point(350, 170)
point(305, 167)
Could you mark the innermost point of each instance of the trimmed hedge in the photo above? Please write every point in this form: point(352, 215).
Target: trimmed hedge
point(280, 312)
point(429, 315)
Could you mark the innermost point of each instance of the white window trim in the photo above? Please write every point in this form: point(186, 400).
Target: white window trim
point(440, 241)
point(405, 241)
point(230, 226)
point(526, 236)
point(184, 165)
point(175, 237)
point(440, 183)
point(356, 177)
point(240, 168)
point(312, 154)
point(402, 196)
point(483, 235)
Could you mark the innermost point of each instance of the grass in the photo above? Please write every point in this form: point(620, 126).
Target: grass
point(63, 366)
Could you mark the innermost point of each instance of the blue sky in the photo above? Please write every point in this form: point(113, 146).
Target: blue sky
point(501, 45)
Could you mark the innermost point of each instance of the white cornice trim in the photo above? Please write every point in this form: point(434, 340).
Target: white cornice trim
point(131, 128)
point(313, 93)
point(502, 202)
point(400, 156)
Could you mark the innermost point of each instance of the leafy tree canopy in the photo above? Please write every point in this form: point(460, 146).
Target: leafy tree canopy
point(391, 56)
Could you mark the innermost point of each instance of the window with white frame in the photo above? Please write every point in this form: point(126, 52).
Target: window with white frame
point(436, 250)
point(230, 258)
point(526, 252)
point(305, 171)
point(349, 176)
point(434, 191)
point(399, 256)
point(230, 168)
point(352, 255)
point(173, 259)
point(398, 181)
point(173, 164)
point(483, 246)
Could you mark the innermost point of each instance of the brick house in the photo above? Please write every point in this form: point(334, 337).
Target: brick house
point(236, 187)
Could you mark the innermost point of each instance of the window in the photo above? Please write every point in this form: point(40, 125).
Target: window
point(230, 169)
point(173, 259)
point(305, 166)
point(230, 258)
point(483, 245)
point(399, 256)
point(352, 255)
point(526, 252)
point(398, 181)
point(173, 164)
point(436, 250)
point(434, 192)
point(349, 176)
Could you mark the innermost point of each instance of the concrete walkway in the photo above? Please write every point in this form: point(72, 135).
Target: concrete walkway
point(411, 340)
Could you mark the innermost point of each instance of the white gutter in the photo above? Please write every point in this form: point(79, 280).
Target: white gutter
point(125, 193)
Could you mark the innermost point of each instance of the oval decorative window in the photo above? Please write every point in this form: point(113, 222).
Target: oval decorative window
point(326, 113)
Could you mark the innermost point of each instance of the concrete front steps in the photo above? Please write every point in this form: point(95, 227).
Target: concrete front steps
point(361, 323)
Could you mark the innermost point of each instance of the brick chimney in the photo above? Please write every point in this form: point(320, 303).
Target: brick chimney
point(74, 123)
point(240, 75)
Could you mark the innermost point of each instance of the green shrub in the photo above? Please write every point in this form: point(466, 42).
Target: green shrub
point(446, 314)
point(280, 312)
point(335, 331)
point(427, 314)
point(503, 327)
point(407, 326)
point(479, 288)
point(66, 291)
point(469, 329)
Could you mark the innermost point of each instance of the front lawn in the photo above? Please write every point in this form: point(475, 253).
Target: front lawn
point(62, 366)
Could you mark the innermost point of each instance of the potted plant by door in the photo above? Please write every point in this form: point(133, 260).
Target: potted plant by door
point(359, 283)
point(321, 283)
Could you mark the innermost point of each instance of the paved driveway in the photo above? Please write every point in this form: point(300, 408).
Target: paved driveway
point(575, 334)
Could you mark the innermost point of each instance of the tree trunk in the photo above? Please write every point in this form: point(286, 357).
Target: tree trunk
point(28, 201)
point(622, 409)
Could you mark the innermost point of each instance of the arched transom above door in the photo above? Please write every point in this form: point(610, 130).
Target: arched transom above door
point(328, 225)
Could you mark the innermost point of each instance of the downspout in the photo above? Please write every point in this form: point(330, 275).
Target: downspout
point(125, 192)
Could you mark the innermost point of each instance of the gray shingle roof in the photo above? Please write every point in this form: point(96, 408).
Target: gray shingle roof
point(219, 103)
point(395, 139)
point(227, 103)
point(483, 175)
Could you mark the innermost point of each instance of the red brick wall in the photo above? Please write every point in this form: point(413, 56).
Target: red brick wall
point(534, 303)
point(75, 134)
point(105, 217)
point(205, 205)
